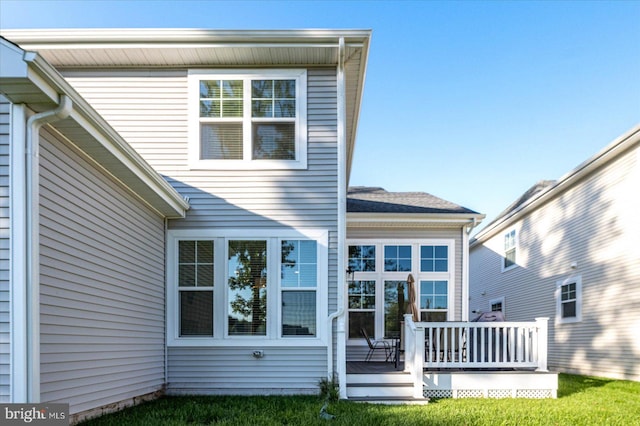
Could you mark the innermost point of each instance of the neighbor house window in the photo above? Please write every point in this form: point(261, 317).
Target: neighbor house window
point(496, 305)
point(223, 286)
point(569, 300)
point(248, 119)
point(509, 259)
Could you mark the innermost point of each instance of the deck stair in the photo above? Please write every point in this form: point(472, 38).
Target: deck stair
point(393, 387)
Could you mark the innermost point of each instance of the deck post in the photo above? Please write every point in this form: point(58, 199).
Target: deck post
point(543, 333)
point(409, 342)
point(418, 364)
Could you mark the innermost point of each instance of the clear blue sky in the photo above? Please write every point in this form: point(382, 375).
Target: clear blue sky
point(471, 101)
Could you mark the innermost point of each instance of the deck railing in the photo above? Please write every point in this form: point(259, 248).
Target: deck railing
point(485, 345)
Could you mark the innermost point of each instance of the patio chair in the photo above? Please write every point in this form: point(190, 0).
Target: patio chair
point(446, 339)
point(374, 345)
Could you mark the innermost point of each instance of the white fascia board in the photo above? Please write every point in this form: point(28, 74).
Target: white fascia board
point(416, 220)
point(103, 133)
point(156, 36)
point(364, 61)
point(607, 154)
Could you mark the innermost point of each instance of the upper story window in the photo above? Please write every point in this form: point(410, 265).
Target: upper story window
point(510, 247)
point(248, 119)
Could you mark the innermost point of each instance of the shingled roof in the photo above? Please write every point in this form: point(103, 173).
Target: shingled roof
point(362, 199)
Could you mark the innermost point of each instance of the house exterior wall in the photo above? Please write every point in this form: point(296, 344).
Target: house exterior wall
point(101, 284)
point(589, 231)
point(149, 109)
point(357, 349)
point(5, 254)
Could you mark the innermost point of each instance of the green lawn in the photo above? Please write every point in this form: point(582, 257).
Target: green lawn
point(581, 401)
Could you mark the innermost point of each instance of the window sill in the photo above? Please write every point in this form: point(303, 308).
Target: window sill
point(248, 165)
point(508, 268)
point(241, 342)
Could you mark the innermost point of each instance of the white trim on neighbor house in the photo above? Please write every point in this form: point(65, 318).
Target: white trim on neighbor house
point(247, 163)
point(220, 304)
point(380, 275)
point(577, 280)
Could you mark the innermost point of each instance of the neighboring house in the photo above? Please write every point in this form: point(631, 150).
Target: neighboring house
point(569, 250)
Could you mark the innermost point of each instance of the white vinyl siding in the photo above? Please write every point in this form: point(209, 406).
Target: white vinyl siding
point(150, 110)
point(5, 310)
point(101, 284)
point(590, 229)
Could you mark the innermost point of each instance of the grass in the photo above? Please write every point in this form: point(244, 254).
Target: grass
point(581, 400)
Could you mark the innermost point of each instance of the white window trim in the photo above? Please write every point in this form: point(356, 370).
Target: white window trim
point(517, 249)
point(380, 275)
point(558, 295)
point(274, 337)
point(193, 81)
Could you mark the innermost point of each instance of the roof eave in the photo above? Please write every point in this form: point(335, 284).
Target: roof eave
point(414, 220)
point(610, 152)
point(133, 171)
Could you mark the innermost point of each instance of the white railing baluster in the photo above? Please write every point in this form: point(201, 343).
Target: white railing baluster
point(474, 345)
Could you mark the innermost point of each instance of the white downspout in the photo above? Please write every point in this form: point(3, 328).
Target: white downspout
point(466, 230)
point(342, 232)
point(32, 240)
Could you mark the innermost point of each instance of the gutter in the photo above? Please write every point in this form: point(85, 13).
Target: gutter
point(109, 139)
point(32, 239)
point(466, 230)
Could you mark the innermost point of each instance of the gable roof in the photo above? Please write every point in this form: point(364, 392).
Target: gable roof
point(120, 48)
point(529, 194)
point(544, 191)
point(368, 205)
point(363, 199)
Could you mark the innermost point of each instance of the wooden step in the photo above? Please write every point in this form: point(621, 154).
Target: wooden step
point(378, 390)
point(391, 400)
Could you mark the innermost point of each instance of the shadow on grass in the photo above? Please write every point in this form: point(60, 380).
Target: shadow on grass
point(569, 384)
